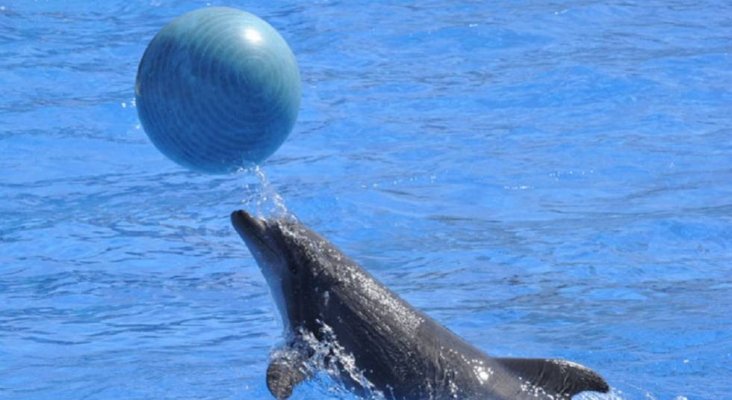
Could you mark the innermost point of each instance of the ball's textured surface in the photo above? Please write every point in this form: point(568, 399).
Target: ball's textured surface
point(218, 89)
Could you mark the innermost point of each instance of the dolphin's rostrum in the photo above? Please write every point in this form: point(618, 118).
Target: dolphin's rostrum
point(403, 353)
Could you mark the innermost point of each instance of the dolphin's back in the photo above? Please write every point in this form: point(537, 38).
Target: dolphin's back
point(402, 349)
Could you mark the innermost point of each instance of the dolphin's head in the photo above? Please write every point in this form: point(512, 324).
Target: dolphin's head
point(265, 240)
point(292, 260)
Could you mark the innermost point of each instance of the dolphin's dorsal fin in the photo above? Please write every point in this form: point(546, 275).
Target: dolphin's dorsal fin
point(286, 370)
point(556, 377)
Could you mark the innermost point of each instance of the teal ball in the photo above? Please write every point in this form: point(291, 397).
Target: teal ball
point(218, 89)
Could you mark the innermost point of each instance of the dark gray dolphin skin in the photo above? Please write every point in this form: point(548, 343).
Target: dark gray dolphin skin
point(401, 351)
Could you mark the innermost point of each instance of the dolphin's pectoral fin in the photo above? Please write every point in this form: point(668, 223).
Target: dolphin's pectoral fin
point(286, 370)
point(556, 377)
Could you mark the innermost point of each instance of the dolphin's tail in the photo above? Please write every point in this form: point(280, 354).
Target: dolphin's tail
point(559, 378)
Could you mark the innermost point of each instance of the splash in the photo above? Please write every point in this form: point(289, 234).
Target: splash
point(262, 197)
point(612, 395)
point(335, 369)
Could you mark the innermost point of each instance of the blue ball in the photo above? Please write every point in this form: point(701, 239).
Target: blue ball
point(218, 89)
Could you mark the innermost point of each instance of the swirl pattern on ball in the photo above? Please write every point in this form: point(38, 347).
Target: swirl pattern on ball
point(218, 89)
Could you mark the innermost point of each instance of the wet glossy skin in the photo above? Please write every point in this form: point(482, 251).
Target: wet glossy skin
point(400, 350)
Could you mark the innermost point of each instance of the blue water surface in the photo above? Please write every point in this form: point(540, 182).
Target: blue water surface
point(547, 179)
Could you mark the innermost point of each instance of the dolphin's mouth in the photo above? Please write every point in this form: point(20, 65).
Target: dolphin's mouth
point(247, 226)
point(253, 230)
point(262, 237)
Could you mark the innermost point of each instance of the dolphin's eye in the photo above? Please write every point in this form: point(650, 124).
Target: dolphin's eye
point(292, 267)
point(291, 262)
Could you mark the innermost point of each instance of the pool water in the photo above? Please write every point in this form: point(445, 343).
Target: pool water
point(547, 179)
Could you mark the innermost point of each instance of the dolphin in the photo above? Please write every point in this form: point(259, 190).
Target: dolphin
point(403, 354)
